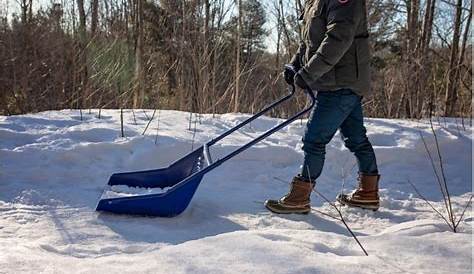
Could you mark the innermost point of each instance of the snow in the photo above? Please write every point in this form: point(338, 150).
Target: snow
point(118, 191)
point(54, 168)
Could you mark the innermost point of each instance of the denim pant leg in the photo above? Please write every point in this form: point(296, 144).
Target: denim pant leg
point(331, 110)
point(353, 134)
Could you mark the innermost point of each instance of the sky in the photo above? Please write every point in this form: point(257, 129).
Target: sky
point(12, 6)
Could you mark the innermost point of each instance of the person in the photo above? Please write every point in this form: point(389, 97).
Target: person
point(334, 60)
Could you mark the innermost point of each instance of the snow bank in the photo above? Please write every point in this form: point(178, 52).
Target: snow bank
point(54, 167)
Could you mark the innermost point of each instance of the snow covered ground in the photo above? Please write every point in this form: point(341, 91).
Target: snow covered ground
point(54, 167)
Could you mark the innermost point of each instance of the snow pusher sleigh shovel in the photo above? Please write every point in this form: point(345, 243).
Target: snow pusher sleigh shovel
point(183, 176)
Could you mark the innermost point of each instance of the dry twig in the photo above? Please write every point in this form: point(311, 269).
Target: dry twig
point(341, 217)
point(149, 121)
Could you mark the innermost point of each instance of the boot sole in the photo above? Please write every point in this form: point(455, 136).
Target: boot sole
point(293, 211)
point(373, 207)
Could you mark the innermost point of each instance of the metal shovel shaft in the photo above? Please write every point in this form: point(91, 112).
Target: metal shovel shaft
point(213, 164)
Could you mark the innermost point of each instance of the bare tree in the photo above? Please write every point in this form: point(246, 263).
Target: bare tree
point(139, 71)
point(237, 57)
point(451, 87)
point(94, 16)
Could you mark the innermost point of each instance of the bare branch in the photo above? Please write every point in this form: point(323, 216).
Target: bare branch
point(435, 172)
point(149, 122)
point(432, 207)
point(342, 220)
point(326, 214)
point(340, 215)
point(464, 211)
point(450, 211)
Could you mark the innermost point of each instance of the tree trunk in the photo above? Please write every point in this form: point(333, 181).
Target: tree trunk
point(422, 49)
point(237, 59)
point(83, 73)
point(413, 11)
point(451, 85)
point(462, 53)
point(94, 16)
point(139, 71)
point(206, 61)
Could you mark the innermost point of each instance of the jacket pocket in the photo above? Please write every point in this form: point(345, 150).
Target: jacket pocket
point(362, 58)
point(346, 69)
point(328, 79)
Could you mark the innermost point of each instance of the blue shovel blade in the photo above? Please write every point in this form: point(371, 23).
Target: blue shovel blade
point(182, 178)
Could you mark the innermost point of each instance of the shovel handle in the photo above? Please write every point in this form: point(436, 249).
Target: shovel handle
point(292, 90)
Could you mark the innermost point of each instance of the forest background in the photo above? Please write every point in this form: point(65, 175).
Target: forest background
point(218, 56)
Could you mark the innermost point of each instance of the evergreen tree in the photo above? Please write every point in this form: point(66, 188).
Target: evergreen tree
point(253, 31)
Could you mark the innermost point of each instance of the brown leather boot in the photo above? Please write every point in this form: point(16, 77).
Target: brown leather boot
point(296, 201)
point(365, 196)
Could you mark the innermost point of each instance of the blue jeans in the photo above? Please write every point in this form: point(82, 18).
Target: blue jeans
point(341, 109)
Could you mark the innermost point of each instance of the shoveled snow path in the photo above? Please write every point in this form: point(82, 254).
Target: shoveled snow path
point(53, 168)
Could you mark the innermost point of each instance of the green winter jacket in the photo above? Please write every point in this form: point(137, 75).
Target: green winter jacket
point(334, 53)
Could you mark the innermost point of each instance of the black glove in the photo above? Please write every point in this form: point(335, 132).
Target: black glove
point(300, 82)
point(289, 74)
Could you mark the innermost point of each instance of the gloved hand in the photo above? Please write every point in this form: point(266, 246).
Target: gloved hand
point(300, 82)
point(289, 74)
